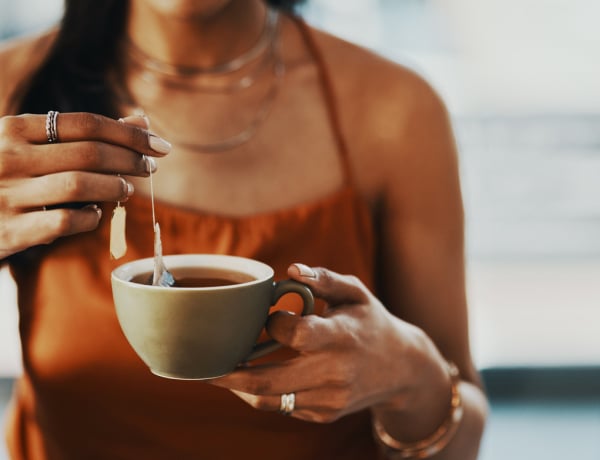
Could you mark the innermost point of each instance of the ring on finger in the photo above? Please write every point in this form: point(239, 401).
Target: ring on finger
point(51, 126)
point(288, 401)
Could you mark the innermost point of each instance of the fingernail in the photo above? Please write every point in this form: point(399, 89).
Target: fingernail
point(96, 208)
point(306, 271)
point(150, 164)
point(127, 188)
point(158, 144)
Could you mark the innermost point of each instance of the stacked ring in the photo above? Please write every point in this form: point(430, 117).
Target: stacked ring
point(288, 400)
point(51, 130)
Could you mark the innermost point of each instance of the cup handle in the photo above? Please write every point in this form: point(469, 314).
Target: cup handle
point(280, 288)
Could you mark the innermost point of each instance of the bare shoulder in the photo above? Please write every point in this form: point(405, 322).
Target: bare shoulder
point(389, 113)
point(18, 58)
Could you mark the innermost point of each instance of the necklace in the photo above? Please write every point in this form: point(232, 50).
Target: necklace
point(242, 136)
point(192, 83)
point(184, 78)
point(168, 70)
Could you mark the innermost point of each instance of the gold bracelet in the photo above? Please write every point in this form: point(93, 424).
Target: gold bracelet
point(432, 444)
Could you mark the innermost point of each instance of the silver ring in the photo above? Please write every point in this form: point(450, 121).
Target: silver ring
point(51, 130)
point(288, 401)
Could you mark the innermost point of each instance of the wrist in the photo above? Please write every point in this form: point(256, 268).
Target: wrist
point(399, 448)
point(421, 402)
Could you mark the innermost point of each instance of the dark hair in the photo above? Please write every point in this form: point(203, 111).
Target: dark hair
point(73, 78)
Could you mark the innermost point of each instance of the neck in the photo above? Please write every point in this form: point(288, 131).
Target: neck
point(196, 37)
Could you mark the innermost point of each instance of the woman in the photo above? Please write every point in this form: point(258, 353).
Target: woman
point(288, 145)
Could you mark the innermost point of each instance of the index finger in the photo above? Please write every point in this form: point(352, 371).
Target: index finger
point(83, 126)
point(302, 333)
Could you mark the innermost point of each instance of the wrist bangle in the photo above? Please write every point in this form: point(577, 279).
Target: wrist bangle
point(432, 444)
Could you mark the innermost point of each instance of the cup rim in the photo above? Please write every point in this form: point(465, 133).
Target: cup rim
point(125, 272)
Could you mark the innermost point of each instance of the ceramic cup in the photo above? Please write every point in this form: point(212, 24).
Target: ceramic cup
point(199, 332)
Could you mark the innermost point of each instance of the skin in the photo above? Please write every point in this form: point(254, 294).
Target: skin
point(384, 352)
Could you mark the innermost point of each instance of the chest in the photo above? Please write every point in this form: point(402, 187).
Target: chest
point(293, 157)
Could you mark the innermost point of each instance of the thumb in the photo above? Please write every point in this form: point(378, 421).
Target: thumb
point(334, 288)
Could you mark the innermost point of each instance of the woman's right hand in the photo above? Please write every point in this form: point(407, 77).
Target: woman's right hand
point(86, 165)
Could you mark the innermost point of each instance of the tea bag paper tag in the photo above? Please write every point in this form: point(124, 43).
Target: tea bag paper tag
point(158, 262)
point(118, 245)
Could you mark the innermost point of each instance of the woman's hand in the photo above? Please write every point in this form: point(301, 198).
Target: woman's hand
point(84, 166)
point(356, 356)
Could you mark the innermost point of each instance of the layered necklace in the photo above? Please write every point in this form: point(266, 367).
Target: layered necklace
point(219, 79)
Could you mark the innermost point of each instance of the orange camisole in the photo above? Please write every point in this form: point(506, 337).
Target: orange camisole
point(85, 395)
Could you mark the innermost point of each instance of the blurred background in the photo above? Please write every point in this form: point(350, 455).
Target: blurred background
point(520, 79)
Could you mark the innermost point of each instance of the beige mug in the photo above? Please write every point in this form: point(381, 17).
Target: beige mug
point(202, 330)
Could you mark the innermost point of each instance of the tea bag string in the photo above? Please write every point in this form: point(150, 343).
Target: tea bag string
point(161, 275)
point(151, 194)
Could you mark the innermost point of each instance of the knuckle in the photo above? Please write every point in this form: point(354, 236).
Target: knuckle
point(261, 403)
point(6, 236)
point(13, 158)
point(341, 374)
point(10, 239)
point(5, 201)
point(92, 153)
point(354, 280)
point(259, 386)
point(5, 164)
point(300, 335)
point(341, 399)
point(73, 184)
point(11, 126)
point(323, 275)
point(60, 224)
point(358, 287)
point(90, 124)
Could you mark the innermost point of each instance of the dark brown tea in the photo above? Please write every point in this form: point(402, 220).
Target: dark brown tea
point(199, 277)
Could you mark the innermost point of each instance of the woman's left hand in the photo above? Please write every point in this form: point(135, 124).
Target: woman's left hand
point(356, 355)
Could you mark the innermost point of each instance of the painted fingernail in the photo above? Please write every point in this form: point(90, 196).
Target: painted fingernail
point(96, 208)
point(150, 164)
point(127, 188)
point(158, 144)
point(306, 271)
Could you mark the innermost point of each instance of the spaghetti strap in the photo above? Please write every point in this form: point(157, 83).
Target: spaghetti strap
point(328, 94)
